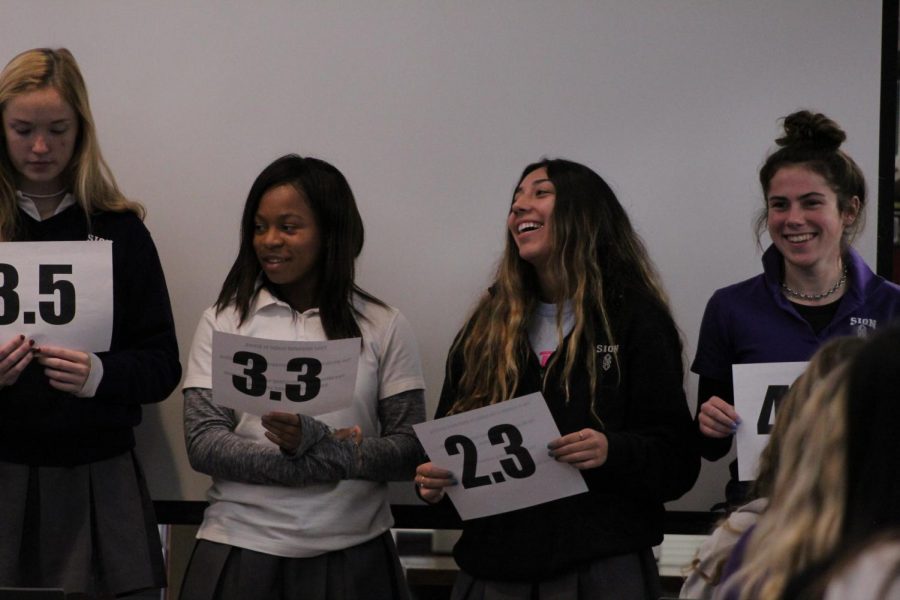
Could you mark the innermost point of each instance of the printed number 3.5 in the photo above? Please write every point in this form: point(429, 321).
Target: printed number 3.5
point(48, 285)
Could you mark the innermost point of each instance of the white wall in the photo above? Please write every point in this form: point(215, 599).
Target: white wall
point(432, 109)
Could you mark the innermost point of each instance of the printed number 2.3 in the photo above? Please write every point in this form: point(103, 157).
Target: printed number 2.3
point(519, 467)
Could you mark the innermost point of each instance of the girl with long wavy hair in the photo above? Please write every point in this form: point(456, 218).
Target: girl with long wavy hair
point(577, 312)
point(75, 512)
point(298, 505)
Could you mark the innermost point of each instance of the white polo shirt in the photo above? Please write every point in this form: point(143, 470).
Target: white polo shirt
point(313, 519)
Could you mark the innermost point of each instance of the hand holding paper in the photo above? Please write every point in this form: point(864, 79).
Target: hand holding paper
point(584, 449)
point(718, 419)
point(66, 369)
point(432, 481)
point(499, 456)
point(14, 357)
point(284, 430)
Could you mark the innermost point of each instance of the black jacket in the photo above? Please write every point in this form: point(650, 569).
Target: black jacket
point(652, 454)
point(40, 425)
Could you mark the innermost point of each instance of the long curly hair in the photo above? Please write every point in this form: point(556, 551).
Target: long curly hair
point(804, 518)
point(597, 257)
point(838, 485)
point(830, 355)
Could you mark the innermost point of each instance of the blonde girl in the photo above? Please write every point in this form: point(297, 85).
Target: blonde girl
point(75, 512)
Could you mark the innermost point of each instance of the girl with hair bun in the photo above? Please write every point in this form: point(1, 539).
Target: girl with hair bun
point(74, 511)
point(814, 285)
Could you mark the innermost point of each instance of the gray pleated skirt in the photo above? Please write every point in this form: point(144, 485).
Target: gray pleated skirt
point(88, 529)
point(368, 571)
point(626, 577)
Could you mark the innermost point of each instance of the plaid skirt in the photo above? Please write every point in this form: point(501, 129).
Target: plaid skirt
point(88, 529)
point(627, 577)
point(368, 571)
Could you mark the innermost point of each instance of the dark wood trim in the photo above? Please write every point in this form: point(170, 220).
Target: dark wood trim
point(887, 146)
point(179, 512)
point(411, 516)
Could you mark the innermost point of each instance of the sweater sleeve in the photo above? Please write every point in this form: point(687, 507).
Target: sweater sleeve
point(712, 448)
point(452, 373)
point(713, 364)
point(142, 365)
point(655, 452)
point(715, 348)
point(394, 455)
point(215, 449)
point(444, 511)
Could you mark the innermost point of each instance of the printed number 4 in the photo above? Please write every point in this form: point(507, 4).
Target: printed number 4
point(520, 467)
point(774, 394)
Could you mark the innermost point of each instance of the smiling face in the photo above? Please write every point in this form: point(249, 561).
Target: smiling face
point(40, 130)
point(287, 244)
point(530, 218)
point(804, 220)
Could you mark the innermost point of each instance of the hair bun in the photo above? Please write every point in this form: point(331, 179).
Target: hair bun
point(811, 129)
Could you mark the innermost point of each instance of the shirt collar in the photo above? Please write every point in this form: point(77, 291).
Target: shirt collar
point(264, 299)
point(27, 205)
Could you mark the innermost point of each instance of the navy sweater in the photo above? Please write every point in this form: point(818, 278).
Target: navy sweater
point(652, 458)
point(40, 425)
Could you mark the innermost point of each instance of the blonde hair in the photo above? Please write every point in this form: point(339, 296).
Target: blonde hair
point(833, 354)
point(87, 174)
point(805, 515)
point(830, 355)
point(597, 256)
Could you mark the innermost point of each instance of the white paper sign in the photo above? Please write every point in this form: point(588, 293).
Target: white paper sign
point(259, 376)
point(499, 456)
point(757, 390)
point(57, 293)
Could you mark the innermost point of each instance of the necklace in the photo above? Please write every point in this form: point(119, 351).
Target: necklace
point(43, 196)
point(802, 296)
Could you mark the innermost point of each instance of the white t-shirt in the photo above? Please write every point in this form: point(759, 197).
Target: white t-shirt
point(542, 333)
point(314, 519)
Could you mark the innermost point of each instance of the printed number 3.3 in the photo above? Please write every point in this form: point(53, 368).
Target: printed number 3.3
point(253, 382)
